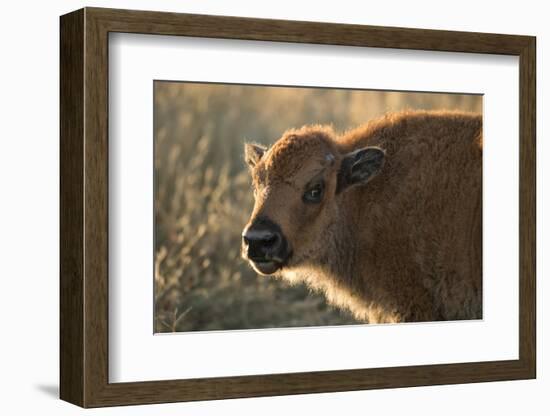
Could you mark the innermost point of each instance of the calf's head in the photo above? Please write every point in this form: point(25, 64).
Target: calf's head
point(298, 185)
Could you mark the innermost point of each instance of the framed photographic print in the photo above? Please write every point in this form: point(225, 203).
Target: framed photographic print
point(255, 207)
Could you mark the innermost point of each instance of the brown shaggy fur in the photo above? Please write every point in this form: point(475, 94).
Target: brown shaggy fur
point(406, 246)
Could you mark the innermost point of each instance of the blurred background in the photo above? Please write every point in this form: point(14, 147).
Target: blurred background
point(203, 196)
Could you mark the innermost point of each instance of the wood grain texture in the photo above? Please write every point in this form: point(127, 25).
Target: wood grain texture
point(84, 207)
point(71, 99)
point(96, 214)
point(226, 27)
point(527, 208)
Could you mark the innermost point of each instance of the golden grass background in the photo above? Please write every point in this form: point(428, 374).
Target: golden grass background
point(203, 197)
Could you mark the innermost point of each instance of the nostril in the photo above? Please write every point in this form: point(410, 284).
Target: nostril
point(271, 240)
point(261, 243)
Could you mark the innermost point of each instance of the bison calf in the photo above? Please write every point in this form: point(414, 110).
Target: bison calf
point(384, 219)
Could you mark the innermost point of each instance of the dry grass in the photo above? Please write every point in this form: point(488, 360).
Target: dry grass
point(203, 198)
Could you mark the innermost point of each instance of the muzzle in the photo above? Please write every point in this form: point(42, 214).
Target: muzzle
point(265, 246)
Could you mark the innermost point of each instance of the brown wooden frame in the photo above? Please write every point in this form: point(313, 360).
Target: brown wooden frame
point(84, 208)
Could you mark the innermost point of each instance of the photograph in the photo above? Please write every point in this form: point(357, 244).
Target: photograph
point(299, 206)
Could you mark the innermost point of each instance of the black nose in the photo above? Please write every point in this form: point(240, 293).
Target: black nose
point(264, 241)
point(262, 244)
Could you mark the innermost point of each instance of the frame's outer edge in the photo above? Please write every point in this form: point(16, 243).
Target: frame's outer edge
point(528, 208)
point(84, 207)
point(72, 367)
point(231, 27)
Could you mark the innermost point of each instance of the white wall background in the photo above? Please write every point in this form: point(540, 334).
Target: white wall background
point(29, 159)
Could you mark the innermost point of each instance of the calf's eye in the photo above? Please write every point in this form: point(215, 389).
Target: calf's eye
point(314, 194)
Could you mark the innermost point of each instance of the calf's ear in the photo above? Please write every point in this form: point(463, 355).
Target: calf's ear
point(253, 153)
point(359, 167)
